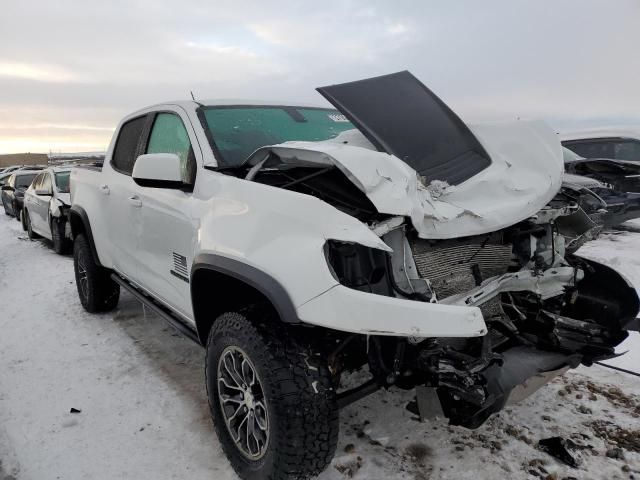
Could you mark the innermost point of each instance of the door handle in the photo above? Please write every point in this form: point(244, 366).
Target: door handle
point(135, 201)
point(104, 189)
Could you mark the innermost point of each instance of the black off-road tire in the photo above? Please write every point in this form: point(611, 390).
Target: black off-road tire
point(27, 221)
point(300, 398)
point(97, 292)
point(61, 244)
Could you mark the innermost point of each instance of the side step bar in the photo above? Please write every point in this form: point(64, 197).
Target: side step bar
point(158, 309)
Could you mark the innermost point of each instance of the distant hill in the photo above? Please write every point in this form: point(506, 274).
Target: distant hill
point(23, 159)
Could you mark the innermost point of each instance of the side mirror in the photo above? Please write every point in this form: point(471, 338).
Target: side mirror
point(43, 192)
point(7, 187)
point(158, 170)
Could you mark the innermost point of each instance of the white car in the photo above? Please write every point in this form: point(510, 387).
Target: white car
point(297, 243)
point(46, 208)
point(9, 169)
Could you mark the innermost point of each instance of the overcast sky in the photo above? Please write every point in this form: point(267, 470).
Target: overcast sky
point(70, 69)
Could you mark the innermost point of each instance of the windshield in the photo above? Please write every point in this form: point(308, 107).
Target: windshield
point(62, 181)
point(569, 155)
point(238, 131)
point(23, 181)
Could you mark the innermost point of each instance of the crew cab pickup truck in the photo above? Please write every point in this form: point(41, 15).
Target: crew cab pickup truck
point(297, 243)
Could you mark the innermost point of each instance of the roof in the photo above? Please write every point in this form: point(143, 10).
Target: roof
point(627, 131)
point(59, 169)
point(192, 105)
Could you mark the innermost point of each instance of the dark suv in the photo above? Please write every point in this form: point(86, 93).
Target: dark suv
point(13, 191)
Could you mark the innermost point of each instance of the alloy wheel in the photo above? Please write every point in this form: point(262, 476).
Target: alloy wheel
point(243, 403)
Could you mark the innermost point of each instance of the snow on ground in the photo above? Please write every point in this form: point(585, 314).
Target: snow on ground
point(144, 412)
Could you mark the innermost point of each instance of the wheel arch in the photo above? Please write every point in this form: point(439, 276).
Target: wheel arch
point(221, 284)
point(79, 221)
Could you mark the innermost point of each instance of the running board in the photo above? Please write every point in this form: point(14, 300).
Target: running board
point(158, 309)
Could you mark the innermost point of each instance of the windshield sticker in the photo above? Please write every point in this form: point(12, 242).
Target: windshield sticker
point(338, 117)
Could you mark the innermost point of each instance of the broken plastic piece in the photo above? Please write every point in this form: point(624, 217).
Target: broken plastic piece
point(74, 410)
point(557, 448)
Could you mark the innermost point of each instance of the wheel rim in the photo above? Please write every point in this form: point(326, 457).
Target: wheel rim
point(82, 276)
point(243, 403)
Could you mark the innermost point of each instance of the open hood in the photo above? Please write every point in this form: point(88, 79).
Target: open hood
point(413, 157)
point(399, 115)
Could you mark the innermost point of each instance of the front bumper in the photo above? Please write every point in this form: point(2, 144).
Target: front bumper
point(345, 309)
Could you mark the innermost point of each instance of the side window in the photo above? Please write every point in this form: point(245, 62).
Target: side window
point(36, 181)
point(46, 182)
point(124, 154)
point(628, 150)
point(168, 135)
point(594, 149)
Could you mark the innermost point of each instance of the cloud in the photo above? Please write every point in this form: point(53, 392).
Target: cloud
point(83, 64)
point(37, 72)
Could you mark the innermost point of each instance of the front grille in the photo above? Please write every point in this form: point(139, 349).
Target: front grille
point(449, 264)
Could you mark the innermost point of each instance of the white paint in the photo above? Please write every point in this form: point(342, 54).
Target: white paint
point(354, 311)
point(158, 166)
point(524, 175)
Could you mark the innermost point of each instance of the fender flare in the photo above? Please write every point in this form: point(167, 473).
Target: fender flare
point(76, 214)
point(261, 281)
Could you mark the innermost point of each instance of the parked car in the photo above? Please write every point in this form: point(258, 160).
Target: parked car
point(4, 177)
point(298, 243)
point(46, 208)
point(623, 175)
point(13, 191)
point(9, 169)
point(608, 143)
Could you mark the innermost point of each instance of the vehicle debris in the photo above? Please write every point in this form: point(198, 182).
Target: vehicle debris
point(557, 448)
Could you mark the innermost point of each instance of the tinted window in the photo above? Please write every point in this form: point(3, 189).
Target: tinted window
point(124, 155)
point(169, 135)
point(239, 131)
point(23, 181)
point(620, 149)
point(62, 181)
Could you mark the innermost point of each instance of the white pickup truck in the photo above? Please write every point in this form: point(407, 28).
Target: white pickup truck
point(297, 243)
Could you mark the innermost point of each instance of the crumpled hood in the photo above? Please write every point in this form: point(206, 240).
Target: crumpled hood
point(524, 175)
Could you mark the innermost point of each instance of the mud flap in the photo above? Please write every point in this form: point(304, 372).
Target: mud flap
point(428, 403)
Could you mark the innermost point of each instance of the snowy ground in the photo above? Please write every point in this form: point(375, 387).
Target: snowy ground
point(144, 413)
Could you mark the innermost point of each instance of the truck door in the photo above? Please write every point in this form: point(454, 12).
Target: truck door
point(122, 205)
point(39, 213)
point(168, 233)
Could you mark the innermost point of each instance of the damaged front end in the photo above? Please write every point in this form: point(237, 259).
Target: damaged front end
point(479, 298)
point(545, 311)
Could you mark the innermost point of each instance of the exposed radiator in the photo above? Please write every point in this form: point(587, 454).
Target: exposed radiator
point(449, 264)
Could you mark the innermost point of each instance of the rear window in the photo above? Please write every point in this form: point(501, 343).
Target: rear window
point(124, 154)
point(23, 181)
point(62, 181)
point(616, 148)
point(238, 131)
